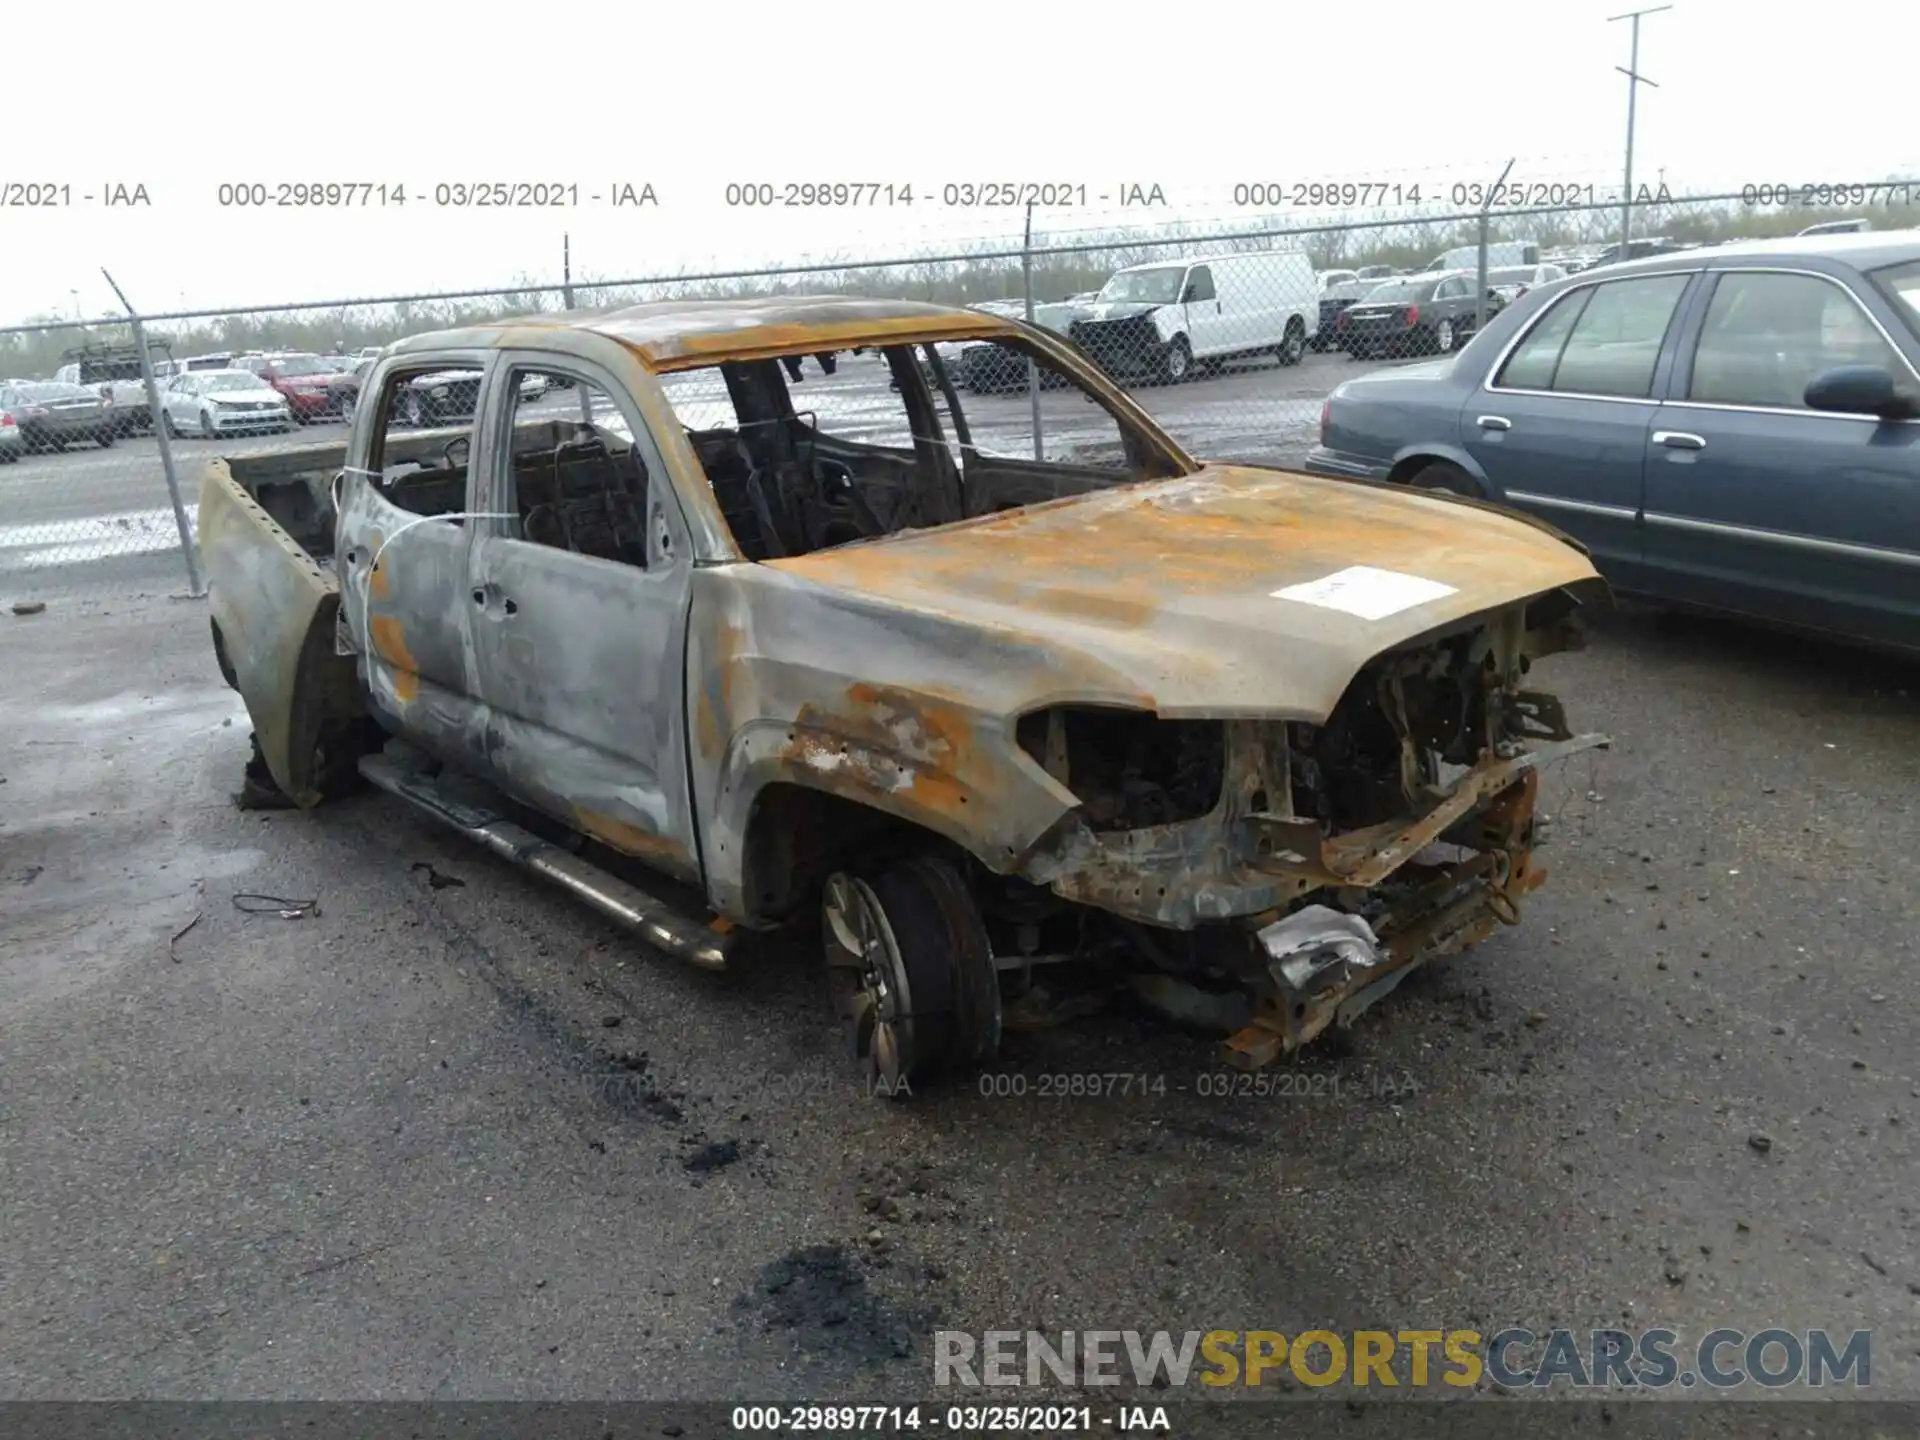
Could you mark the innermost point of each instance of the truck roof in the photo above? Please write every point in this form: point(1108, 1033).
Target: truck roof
point(685, 334)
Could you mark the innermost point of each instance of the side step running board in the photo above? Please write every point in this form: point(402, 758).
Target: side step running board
point(656, 922)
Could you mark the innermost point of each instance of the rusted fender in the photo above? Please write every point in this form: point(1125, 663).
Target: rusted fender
point(273, 610)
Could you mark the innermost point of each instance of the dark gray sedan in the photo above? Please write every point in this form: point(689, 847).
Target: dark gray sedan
point(1426, 314)
point(1735, 428)
point(52, 415)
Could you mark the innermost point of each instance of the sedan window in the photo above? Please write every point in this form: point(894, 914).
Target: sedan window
point(1608, 348)
point(1532, 364)
point(1767, 335)
point(1903, 283)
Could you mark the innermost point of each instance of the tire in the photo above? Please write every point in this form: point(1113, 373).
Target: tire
point(911, 972)
point(413, 410)
point(207, 432)
point(1293, 349)
point(166, 424)
point(1444, 338)
point(348, 403)
point(105, 437)
point(1449, 479)
point(1176, 361)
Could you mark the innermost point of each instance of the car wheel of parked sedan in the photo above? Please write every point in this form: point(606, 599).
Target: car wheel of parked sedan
point(207, 432)
point(171, 430)
point(104, 436)
point(911, 971)
point(1443, 338)
point(1176, 361)
point(1445, 476)
point(412, 411)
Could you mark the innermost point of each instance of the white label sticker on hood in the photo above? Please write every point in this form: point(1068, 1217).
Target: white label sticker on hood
point(1364, 591)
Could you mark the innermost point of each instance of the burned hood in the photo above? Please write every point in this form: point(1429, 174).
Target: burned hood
point(1230, 592)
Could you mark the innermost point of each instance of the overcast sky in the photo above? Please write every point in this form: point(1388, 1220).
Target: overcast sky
point(689, 97)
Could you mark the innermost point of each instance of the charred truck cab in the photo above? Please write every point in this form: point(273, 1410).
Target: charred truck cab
point(1264, 741)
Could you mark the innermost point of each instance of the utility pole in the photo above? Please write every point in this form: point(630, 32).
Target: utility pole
point(1634, 81)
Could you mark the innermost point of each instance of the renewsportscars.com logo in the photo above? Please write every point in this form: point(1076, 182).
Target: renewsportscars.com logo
point(1653, 1359)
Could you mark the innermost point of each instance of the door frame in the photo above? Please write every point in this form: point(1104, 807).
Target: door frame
point(597, 362)
point(354, 557)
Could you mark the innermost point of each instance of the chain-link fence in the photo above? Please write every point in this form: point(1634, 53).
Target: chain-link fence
point(1230, 335)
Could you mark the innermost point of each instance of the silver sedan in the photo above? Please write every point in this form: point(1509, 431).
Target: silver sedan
point(223, 402)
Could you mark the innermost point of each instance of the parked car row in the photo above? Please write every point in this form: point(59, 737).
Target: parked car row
point(44, 416)
point(1733, 427)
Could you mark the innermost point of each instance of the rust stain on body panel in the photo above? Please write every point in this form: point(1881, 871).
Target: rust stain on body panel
point(390, 644)
point(1172, 583)
point(643, 845)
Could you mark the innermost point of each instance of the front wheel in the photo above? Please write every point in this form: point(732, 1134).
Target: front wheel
point(105, 437)
point(171, 430)
point(1176, 361)
point(207, 432)
point(1443, 338)
point(412, 411)
point(911, 971)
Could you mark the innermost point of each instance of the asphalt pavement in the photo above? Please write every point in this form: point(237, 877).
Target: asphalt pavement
point(441, 1134)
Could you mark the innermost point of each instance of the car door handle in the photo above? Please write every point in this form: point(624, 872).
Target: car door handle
point(1678, 440)
point(1494, 422)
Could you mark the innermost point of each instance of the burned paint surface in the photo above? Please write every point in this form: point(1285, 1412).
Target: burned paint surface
point(662, 852)
point(1172, 583)
point(273, 609)
point(389, 637)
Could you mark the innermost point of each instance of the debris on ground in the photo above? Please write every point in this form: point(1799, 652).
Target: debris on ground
point(715, 1155)
point(436, 879)
point(199, 889)
point(29, 607)
point(250, 904)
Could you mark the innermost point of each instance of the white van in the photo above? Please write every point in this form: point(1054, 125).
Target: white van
point(1501, 255)
point(1160, 318)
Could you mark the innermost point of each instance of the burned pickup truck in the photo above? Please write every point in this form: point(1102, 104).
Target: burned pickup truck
point(966, 691)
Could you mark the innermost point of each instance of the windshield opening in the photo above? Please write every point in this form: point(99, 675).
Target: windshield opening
point(238, 380)
point(1158, 286)
point(1396, 290)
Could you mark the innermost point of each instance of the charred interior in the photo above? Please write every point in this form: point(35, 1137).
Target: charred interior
point(789, 485)
point(1128, 768)
point(1406, 719)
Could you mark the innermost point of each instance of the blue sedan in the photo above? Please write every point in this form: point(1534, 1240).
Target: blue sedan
point(1734, 428)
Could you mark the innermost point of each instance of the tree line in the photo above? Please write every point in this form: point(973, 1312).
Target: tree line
point(965, 275)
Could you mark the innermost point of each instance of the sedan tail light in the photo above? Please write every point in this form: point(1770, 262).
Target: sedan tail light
point(1413, 314)
point(6, 419)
